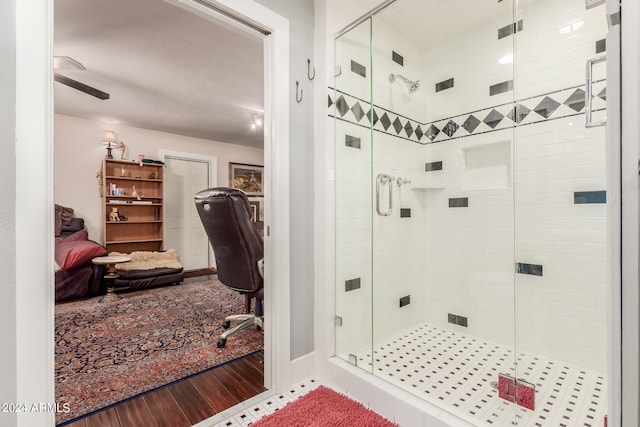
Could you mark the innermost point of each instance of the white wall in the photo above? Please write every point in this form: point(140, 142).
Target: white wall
point(631, 146)
point(79, 154)
point(300, 14)
point(8, 354)
point(34, 329)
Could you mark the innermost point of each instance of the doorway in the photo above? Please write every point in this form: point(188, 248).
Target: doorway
point(171, 121)
point(277, 124)
point(185, 175)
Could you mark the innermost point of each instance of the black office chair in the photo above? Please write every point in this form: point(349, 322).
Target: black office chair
point(238, 248)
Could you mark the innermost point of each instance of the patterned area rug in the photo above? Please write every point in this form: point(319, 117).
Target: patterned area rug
point(106, 353)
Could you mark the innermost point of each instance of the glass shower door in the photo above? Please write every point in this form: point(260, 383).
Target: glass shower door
point(561, 213)
point(349, 105)
point(443, 238)
point(472, 206)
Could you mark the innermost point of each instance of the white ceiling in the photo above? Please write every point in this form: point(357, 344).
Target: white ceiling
point(428, 23)
point(165, 68)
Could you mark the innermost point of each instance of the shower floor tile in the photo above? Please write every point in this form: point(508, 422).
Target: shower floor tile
point(460, 373)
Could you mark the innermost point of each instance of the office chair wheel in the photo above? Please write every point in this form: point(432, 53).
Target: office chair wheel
point(227, 324)
point(222, 342)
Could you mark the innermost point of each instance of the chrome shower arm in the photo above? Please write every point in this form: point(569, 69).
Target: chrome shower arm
point(411, 85)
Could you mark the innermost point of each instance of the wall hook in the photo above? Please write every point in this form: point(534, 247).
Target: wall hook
point(299, 99)
point(309, 76)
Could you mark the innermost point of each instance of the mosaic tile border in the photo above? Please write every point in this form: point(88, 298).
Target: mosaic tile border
point(543, 108)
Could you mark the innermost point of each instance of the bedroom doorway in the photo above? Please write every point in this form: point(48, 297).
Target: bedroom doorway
point(34, 114)
point(206, 172)
point(185, 175)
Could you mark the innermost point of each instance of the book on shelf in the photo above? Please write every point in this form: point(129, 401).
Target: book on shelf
point(141, 202)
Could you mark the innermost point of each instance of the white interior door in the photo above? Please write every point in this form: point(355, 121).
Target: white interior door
point(184, 177)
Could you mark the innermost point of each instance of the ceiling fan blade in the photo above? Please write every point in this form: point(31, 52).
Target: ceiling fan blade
point(80, 86)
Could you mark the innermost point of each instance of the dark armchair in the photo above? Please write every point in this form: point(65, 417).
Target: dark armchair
point(238, 248)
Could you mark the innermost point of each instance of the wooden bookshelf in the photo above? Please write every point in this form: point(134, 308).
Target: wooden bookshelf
point(140, 226)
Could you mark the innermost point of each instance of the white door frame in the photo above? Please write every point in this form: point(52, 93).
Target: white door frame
point(212, 180)
point(34, 199)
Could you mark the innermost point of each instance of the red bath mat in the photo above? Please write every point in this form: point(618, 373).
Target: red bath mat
point(324, 407)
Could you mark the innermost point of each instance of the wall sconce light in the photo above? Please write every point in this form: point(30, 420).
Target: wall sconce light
point(257, 120)
point(111, 142)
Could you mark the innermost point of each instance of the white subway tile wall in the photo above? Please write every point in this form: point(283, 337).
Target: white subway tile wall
point(502, 195)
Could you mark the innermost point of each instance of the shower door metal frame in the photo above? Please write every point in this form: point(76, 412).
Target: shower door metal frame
point(613, 133)
point(627, 323)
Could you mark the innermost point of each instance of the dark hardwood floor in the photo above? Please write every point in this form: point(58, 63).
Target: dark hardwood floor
point(187, 274)
point(188, 401)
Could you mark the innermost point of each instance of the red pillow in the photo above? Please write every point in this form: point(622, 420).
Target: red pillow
point(73, 253)
point(78, 235)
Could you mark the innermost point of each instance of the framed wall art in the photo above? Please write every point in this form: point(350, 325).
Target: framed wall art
point(255, 210)
point(247, 178)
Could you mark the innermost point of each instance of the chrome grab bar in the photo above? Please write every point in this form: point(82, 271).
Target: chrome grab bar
point(588, 121)
point(381, 180)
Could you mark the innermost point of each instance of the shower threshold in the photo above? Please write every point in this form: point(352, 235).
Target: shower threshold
point(456, 371)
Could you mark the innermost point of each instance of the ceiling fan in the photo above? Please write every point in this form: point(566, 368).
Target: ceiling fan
point(68, 63)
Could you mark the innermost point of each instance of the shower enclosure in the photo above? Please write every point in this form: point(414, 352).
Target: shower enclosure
point(471, 206)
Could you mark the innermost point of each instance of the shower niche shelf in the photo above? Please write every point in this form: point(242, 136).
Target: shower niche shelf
point(426, 187)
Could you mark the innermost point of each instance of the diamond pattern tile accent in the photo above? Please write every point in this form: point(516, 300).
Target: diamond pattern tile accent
point(357, 111)
point(567, 102)
point(602, 94)
point(450, 128)
point(341, 106)
point(493, 119)
point(386, 122)
point(408, 129)
point(576, 100)
point(518, 113)
point(375, 116)
point(471, 123)
point(397, 125)
point(432, 132)
point(546, 107)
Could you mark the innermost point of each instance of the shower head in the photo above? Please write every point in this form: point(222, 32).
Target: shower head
point(411, 85)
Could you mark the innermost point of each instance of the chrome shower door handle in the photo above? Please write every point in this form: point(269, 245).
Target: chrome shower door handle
point(588, 121)
point(381, 180)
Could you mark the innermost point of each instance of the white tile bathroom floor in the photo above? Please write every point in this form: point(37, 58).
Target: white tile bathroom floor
point(456, 372)
point(254, 411)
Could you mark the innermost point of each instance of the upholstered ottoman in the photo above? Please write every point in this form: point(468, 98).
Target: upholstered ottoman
point(148, 269)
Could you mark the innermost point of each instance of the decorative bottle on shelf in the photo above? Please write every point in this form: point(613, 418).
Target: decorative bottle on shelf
point(134, 193)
